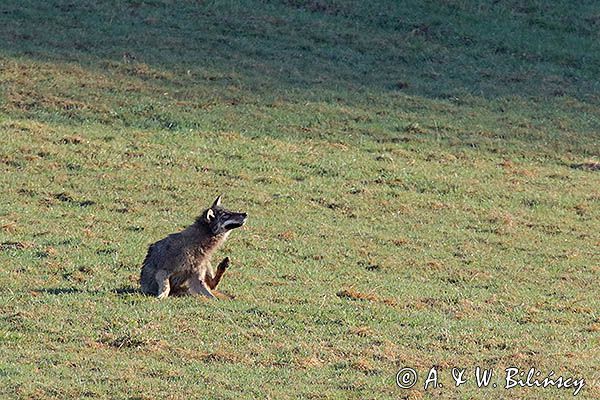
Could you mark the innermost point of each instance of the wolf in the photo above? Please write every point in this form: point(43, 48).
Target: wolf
point(180, 263)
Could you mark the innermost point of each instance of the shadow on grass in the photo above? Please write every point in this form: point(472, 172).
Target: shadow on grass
point(122, 291)
point(127, 290)
point(130, 290)
point(217, 66)
point(65, 291)
point(426, 49)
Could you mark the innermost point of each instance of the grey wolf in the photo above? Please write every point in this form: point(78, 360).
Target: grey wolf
point(180, 263)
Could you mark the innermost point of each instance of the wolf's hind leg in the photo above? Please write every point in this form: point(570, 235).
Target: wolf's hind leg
point(198, 286)
point(164, 287)
point(213, 281)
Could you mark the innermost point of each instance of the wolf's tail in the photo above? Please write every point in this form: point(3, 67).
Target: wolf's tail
point(147, 274)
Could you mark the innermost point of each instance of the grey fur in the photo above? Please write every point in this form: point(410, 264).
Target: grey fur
point(180, 263)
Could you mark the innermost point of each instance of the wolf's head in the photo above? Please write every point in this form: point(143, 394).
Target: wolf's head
point(220, 220)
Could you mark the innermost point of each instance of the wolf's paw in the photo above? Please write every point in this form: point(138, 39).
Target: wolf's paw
point(224, 264)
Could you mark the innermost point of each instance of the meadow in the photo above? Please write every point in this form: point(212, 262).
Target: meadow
point(422, 181)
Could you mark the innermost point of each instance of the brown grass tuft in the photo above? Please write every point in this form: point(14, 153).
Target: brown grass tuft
point(362, 331)
point(223, 295)
point(364, 366)
point(219, 356)
point(309, 362)
point(594, 327)
point(9, 227)
point(412, 395)
point(354, 295)
point(435, 265)
point(287, 235)
point(75, 139)
point(400, 241)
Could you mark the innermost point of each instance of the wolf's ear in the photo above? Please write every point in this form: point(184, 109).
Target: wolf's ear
point(217, 202)
point(210, 215)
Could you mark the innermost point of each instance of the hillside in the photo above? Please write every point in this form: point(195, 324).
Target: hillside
point(421, 178)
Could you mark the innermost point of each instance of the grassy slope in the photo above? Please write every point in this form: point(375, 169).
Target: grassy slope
point(416, 154)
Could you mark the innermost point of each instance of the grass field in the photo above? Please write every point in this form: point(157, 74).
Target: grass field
point(422, 181)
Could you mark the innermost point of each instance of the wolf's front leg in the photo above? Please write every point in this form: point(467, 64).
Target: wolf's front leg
point(198, 286)
point(213, 280)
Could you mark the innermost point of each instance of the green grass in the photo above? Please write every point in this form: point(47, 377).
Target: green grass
point(419, 179)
